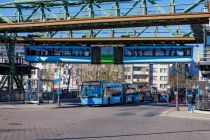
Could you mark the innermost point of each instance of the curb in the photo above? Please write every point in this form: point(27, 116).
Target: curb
point(191, 118)
point(202, 112)
point(168, 113)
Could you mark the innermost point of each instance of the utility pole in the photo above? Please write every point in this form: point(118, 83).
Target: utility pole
point(59, 85)
point(177, 87)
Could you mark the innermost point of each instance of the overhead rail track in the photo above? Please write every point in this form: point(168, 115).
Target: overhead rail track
point(107, 41)
point(108, 22)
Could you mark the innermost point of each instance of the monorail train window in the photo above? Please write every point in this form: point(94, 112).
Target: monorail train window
point(31, 51)
point(44, 52)
point(139, 52)
point(128, 52)
point(173, 52)
point(75, 52)
point(49, 52)
point(187, 52)
point(38, 52)
point(167, 52)
point(87, 52)
point(62, 52)
point(136, 52)
point(82, 52)
point(147, 52)
point(180, 52)
point(162, 52)
point(57, 52)
point(159, 52)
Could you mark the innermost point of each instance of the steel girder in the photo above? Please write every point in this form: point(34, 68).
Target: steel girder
point(42, 10)
point(11, 77)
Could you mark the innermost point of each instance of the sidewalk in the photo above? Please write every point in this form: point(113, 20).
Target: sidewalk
point(184, 114)
point(66, 104)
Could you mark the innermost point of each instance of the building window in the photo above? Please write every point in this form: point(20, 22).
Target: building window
point(135, 77)
point(64, 82)
point(163, 86)
point(154, 77)
point(163, 78)
point(154, 70)
point(154, 85)
point(143, 77)
point(136, 69)
point(141, 69)
point(33, 72)
point(163, 70)
point(127, 69)
point(128, 77)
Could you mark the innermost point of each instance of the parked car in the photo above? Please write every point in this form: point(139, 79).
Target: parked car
point(162, 98)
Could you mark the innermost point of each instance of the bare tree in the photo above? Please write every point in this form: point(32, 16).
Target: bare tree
point(114, 73)
point(49, 72)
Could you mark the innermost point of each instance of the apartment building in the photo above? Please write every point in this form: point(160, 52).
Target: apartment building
point(138, 74)
point(159, 74)
point(148, 75)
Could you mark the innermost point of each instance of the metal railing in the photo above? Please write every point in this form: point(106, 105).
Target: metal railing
point(17, 60)
point(202, 103)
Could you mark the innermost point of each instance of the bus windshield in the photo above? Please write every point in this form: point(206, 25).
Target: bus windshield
point(91, 90)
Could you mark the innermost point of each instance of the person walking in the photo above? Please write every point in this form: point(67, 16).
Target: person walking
point(190, 101)
point(193, 100)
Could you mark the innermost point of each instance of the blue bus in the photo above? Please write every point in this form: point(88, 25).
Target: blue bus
point(157, 54)
point(62, 54)
point(106, 93)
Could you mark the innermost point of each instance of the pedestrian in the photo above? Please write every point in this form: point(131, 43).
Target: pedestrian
point(193, 100)
point(189, 101)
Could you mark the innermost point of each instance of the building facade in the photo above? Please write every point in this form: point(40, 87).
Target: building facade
point(159, 74)
point(148, 75)
point(69, 74)
point(138, 74)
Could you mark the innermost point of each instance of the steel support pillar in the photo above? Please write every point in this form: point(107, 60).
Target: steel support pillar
point(11, 76)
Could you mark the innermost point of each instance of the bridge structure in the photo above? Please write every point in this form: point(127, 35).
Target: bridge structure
point(99, 22)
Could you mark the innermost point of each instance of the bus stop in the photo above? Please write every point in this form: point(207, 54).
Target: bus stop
point(39, 91)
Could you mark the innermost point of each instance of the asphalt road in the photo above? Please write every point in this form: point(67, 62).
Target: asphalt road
point(72, 122)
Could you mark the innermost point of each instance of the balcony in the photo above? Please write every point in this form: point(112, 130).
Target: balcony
point(127, 73)
point(141, 72)
point(141, 80)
